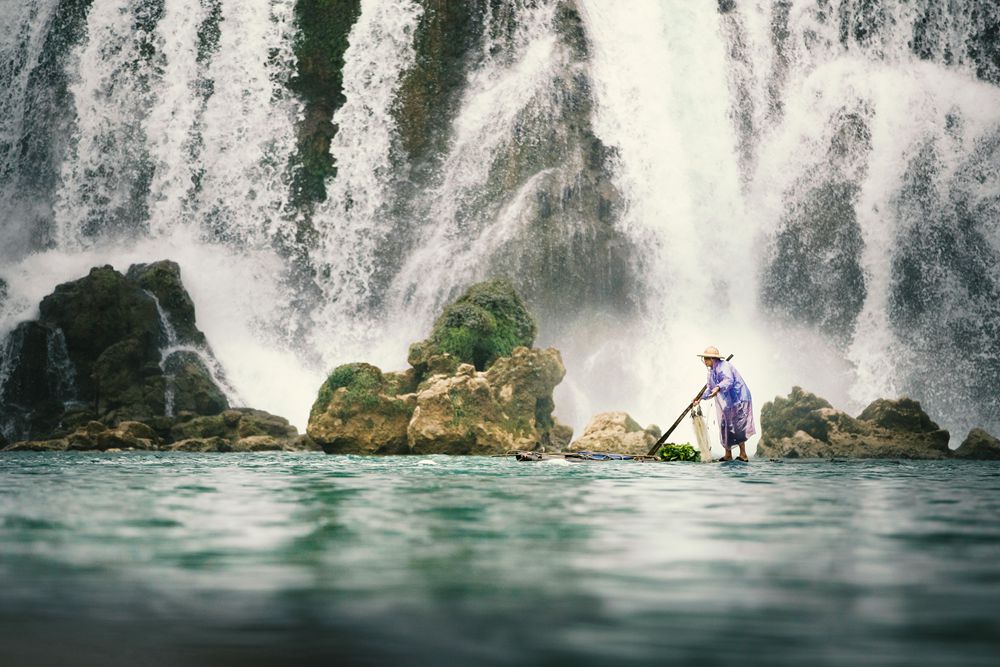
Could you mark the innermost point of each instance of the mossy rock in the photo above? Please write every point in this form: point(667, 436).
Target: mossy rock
point(98, 311)
point(162, 279)
point(484, 324)
point(194, 388)
point(783, 417)
point(362, 381)
point(904, 414)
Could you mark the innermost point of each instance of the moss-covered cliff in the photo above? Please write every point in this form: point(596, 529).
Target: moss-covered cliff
point(322, 40)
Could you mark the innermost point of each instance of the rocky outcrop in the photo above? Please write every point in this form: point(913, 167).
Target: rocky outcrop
point(475, 387)
point(96, 353)
point(117, 362)
point(979, 446)
point(506, 407)
point(618, 433)
point(806, 426)
point(236, 430)
point(456, 411)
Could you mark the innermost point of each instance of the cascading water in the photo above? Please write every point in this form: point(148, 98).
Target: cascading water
point(811, 185)
point(355, 226)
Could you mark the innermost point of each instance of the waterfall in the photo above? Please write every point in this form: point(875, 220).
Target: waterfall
point(355, 226)
point(467, 225)
point(810, 185)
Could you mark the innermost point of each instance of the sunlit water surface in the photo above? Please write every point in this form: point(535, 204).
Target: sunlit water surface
point(299, 558)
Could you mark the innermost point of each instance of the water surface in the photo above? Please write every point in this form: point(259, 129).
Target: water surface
point(260, 559)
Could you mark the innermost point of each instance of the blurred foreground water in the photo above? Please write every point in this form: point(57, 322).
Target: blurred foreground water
point(285, 559)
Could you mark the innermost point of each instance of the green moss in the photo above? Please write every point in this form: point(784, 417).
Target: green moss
point(324, 26)
point(684, 452)
point(362, 381)
point(485, 323)
point(782, 417)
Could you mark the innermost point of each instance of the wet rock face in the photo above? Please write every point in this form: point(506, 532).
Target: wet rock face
point(95, 353)
point(804, 425)
point(618, 433)
point(163, 280)
point(979, 446)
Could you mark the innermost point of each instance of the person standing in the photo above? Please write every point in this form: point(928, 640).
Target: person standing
point(732, 400)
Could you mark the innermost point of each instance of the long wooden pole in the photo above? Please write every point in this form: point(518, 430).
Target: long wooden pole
point(663, 438)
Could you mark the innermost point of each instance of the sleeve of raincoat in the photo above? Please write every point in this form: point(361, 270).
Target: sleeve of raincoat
point(726, 377)
point(709, 385)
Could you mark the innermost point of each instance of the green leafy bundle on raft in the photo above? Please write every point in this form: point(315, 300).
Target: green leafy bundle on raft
point(672, 452)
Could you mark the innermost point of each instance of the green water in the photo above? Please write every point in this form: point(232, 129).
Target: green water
point(309, 559)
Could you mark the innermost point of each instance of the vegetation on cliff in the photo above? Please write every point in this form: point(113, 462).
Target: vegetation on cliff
point(322, 40)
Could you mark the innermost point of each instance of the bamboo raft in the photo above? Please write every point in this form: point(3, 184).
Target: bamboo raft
point(523, 455)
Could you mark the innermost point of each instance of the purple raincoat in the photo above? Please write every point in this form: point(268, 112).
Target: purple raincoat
point(733, 402)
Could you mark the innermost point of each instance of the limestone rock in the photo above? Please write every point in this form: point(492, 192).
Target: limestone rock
point(474, 388)
point(979, 446)
point(234, 425)
point(507, 407)
point(213, 444)
point(55, 445)
point(616, 432)
point(357, 412)
point(806, 426)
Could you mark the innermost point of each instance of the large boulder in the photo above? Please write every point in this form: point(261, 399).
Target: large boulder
point(505, 408)
point(360, 410)
point(806, 426)
point(616, 432)
point(97, 351)
point(979, 446)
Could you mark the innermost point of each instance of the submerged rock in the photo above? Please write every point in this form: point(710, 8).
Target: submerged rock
point(618, 433)
point(979, 446)
point(233, 425)
point(806, 426)
point(236, 430)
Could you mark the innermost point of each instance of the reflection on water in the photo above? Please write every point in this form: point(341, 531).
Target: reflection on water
point(295, 558)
